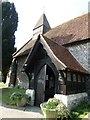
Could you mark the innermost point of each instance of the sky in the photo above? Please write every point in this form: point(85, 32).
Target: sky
point(56, 11)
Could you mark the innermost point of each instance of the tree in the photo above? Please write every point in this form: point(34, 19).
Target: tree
point(9, 26)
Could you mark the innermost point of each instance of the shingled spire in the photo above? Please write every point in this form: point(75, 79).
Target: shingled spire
point(42, 25)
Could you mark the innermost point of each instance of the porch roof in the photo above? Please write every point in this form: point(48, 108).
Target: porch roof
point(65, 56)
point(60, 56)
point(25, 49)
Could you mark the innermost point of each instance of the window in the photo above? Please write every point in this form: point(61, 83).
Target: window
point(68, 76)
point(74, 77)
point(82, 78)
point(79, 78)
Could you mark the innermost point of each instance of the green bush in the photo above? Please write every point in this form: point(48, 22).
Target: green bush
point(81, 110)
point(7, 92)
point(18, 98)
point(51, 103)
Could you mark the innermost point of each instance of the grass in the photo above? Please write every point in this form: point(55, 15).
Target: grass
point(6, 93)
point(2, 85)
point(81, 110)
point(77, 113)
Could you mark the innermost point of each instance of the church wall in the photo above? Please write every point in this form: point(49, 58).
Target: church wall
point(89, 56)
point(22, 79)
point(82, 53)
point(73, 100)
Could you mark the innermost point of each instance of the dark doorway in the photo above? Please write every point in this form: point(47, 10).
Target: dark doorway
point(49, 83)
point(40, 86)
point(46, 84)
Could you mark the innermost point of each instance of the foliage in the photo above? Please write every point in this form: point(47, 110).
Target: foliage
point(6, 93)
point(62, 112)
point(81, 110)
point(51, 103)
point(18, 99)
point(57, 106)
point(9, 26)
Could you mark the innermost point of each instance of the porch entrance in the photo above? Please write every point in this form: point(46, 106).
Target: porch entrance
point(49, 84)
point(45, 85)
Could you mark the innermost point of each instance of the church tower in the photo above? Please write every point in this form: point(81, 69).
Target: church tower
point(42, 25)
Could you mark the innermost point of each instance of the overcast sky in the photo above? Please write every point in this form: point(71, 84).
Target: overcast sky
point(57, 12)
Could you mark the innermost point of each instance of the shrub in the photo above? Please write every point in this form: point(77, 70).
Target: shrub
point(55, 106)
point(18, 99)
point(62, 111)
point(81, 110)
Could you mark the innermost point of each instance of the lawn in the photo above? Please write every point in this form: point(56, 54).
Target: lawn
point(2, 85)
point(77, 113)
point(6, 93)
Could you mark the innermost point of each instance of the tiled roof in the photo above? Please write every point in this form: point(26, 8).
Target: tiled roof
point(65, 56)
point(25, 49)
point(71, 31)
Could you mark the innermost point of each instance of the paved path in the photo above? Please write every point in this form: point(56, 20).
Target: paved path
point(28, 112)
point(24, 112)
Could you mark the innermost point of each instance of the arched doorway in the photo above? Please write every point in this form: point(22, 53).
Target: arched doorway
point(46, 83)
point(49, 83)
point(40, 87)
